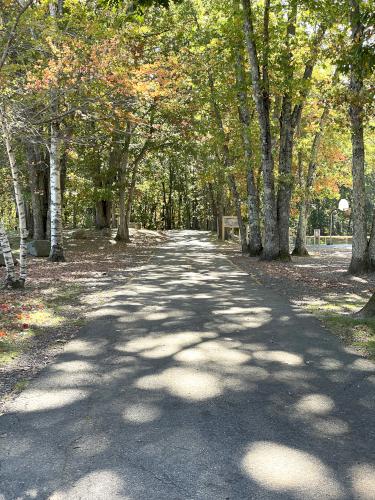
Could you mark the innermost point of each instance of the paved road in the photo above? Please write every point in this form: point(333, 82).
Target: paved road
point(194, 382)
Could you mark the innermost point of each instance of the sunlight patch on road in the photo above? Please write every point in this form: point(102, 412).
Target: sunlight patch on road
point(330, 364)
point(215, 352)
point(183, 382)
point(96, 484)
point(85, 347)
point(363, 365)
point(242, 310)
point(161, 346)
point(283, 357)
point(284, 469)
point(245, 317)
point(37, 400)
point(331, 426)
point(72, 366)
point(363, 481)
point(315, 404)
point(141, 413)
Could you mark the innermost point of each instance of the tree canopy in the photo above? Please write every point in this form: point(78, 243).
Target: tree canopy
point(172, 114)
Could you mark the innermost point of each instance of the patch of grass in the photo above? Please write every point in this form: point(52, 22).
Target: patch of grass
point(336, 305)
point(22, 318)
point(12, 347)
point(352, 331)
point(20, 385)
point(65, 295)
point(8, 352)
point(44, 317)
point(356, 332)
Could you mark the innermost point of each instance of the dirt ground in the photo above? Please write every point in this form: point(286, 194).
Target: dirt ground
point(322, 275)
point(37, 321)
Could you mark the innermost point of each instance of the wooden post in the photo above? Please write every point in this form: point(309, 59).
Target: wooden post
point(316, 236)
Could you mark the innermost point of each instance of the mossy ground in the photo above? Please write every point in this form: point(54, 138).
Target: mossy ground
point(26, 318)
point(337, 315)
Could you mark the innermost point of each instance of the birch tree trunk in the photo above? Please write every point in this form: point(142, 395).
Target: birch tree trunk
point(255, 240)
point(57, 247)
point(271, 247)
point(10, 280)
point(359, 261)
point(18, 196)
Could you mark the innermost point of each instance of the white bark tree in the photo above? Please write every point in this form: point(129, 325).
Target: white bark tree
point(57, 247)
point(18, 196)
point(10, 280)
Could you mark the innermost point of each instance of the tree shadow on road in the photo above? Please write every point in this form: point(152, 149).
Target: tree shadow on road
point(195, 382)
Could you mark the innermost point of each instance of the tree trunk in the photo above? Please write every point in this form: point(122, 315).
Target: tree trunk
point(57, 247)
point(287, 129)
point(213, 206)
point(300, 243)
point(359, 261)
point(237, 204)
point(368, 311)
point(10, 280)
point(103, 214)
point(271, 248)
point(123, 229)
point(284, 192)
point(36, 183)
point(129, 201)
point(19, 198)
point(371, 246)
point(255, 240)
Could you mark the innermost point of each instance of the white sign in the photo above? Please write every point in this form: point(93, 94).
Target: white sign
point(229, 221)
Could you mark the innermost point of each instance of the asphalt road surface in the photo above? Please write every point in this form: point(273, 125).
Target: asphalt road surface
point(194, 382)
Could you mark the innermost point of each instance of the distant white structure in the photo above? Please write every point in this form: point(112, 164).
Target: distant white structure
point(343, 205)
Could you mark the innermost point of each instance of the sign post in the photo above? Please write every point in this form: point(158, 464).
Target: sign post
point(229, 221)
point(316, 236)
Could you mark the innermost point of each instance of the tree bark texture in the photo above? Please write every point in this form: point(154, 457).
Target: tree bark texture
point(271, 247)
point(38, 177)
point(359, 261)
point(10, 279)
point(56, 229)
point(18, 196)
point(122, 158)
point(255, 239)
point(57, 247)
